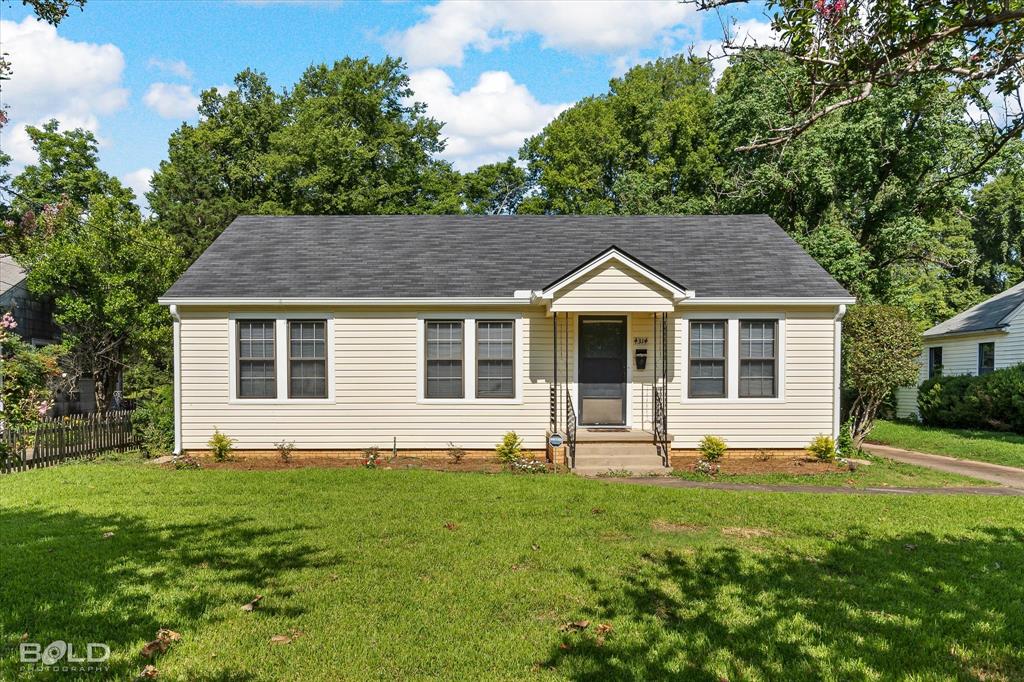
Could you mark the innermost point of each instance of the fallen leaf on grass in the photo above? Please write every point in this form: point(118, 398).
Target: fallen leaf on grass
point(286, 639)
point(575, 626)
point(535, 547)
point(910, 547)
point(564, 646)
point(252, 605)
point(24, 636)
point(149, 672)
point(108, 534)
point(451, 525)
point(163, 640)
point(604, 628)
point(334, 576)
point(597, 510)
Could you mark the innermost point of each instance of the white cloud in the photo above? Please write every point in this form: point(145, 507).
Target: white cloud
point(171, 100)
point(138, 181)
point(175, 67)
point(485, 123)
point(611, 27)
point(747, 33)
point(53, 77)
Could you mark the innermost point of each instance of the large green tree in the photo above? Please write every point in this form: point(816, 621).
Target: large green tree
point(647, 146)
point(997, 213)
point(347, 138)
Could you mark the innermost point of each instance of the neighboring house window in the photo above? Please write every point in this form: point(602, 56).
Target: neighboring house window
point(934, 362)
point(495, 359)
point(986, 357)
point(444, 359)
point(758, 358)
point(707, 359)
point(256, 359)
point(307, 359)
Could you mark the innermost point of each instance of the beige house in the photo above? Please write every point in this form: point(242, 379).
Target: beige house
point(621, 337)
point(981, 339)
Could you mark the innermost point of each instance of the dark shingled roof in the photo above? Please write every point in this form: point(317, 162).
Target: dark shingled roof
point(991, 314)
point(493, 256)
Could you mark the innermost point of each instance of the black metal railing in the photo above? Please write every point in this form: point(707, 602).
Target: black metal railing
point(553, 400)
point(661, 423)
point(570, 429)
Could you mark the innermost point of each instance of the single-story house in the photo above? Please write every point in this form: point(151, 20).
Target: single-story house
point(622, 337)
point(981, 339)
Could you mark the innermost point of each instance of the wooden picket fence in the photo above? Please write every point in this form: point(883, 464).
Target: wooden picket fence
point(58, 439)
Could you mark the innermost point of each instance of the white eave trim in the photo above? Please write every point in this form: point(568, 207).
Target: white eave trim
point(376, 302)
point(614, 254)
point(770, 301)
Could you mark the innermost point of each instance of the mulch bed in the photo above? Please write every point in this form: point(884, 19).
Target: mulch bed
point(774, 464)
point(299, 461)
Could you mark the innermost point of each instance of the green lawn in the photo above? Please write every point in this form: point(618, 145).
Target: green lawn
point(881, 473)
point(983, 446)
point(417, 574)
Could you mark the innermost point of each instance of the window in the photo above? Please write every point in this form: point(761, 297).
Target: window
point(307, 359)
point(757, 359)
point(986, 357)
point(495, 359)
point(935, 362)
point(707, 359)
point(444, 359)
point(256, 359)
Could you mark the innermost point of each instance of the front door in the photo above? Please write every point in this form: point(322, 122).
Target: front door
point(602, 367)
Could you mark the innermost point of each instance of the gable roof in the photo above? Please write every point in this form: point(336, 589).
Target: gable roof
point(993, 314)
point(614, 254)
point(355, 257)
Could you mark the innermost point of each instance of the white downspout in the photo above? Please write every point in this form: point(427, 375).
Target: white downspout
point(837, 369)
point(177, 379)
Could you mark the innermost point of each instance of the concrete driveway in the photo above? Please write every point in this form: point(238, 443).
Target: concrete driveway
point(996, 473)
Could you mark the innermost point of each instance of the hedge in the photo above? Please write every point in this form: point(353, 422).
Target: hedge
point(991, 401)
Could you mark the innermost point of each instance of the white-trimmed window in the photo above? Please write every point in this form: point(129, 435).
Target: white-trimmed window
point(734, 357)
point(281, 357)
point(470, 357)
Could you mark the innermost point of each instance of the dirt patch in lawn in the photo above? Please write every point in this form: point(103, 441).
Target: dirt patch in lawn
point(663, 526)
point(771, 463)
point(299, 461)
point(748, 533)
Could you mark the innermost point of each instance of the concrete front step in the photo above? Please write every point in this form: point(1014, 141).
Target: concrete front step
point(614, 460)
point(634, 470)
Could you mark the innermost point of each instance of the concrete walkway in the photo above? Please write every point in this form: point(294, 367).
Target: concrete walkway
point(672, 482)
point(996, 473)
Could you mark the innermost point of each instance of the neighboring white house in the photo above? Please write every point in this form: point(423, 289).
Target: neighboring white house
point(341, 332)
point(981, 339)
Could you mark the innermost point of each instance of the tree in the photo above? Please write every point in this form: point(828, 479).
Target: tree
point(648, 146)
point(881, 347)
point(854, 48)
point(997, 213)
point(346, 139)
point(494, 188)
point(27, 377)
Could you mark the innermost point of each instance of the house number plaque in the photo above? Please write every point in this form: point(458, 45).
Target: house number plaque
point(639, 340)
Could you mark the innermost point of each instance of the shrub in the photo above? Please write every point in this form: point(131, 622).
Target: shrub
point(510, 448)
point(153, 420)
point(455, 453)
point(991, 401)
point(705, 467)
point(524, 465)
point(371, 457)
point(712, 447)
point(844, 446)
point(186, 462)
point(284, 449)
point(221, 445)
point(823, 447)
point(881, 346)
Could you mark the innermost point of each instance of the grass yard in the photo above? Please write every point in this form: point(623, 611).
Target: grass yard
point(881, 473)
point(982, 446)
point(420, 574)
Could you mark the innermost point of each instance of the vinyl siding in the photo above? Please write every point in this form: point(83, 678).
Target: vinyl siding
point(376, 356)
point(613, 288)
point(960, 356)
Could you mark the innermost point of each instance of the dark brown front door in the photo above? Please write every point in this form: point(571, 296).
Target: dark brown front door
point(602, 366)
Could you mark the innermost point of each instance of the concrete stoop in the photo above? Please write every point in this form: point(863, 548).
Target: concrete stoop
point(598, 452)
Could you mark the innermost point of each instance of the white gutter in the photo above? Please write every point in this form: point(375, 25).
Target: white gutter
point(837, 369)
point(768, 301)
point(177, 379)
point(485, 301)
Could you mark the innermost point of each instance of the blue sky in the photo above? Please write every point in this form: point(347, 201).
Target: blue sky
point(494, 71)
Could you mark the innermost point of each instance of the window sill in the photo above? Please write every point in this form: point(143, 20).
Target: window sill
point(278, 401)
point(732, 401)
point(469, 401)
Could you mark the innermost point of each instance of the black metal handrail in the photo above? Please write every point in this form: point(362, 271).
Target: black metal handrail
point(570, 429)
point(553, 400)
point(661, 423)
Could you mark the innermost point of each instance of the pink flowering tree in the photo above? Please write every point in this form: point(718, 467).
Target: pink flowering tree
point(29, 375)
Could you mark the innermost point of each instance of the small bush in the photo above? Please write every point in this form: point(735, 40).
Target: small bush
point(823, 447)
point(371, 457)
point(284, 450)
point(510, 448)
point(528, 466)
point(221, 445)
point(153, 420)
point(186, 462)
point(455, 453)
point(992, 401)
point(844, 446)
point(712, 447)
point(705, 467)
